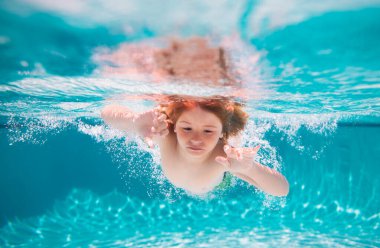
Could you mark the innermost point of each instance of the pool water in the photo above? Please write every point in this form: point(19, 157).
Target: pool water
point(312, 90)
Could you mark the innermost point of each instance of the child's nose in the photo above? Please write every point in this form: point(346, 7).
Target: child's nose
point(196, 139)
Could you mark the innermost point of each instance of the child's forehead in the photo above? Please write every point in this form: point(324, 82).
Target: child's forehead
point(198, 115)
point(196, 110)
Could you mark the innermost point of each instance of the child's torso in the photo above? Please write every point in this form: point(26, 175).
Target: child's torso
point(196, 178)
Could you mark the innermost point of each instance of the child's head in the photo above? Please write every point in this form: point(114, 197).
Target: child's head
point(229, 113)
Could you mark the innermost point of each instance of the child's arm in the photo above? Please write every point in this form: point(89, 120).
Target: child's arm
point(240, 162)
point(119, 117)
point(266, 179)
point(149, 125)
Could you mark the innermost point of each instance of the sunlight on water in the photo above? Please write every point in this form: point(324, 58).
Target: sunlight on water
point(84, 218)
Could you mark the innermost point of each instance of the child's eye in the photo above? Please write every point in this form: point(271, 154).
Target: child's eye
point(186, 128)
point(208, 131)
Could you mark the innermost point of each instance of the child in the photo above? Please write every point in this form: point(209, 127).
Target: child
point(192, 134)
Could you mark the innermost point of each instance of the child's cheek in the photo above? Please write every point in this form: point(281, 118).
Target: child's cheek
point(211, 139)
point(183, 135)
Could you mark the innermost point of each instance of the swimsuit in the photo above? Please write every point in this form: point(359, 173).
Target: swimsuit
point(226, 182)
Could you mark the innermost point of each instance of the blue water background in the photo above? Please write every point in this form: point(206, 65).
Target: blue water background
point(67, 180)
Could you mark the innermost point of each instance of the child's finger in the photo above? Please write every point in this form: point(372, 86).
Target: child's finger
point(254, 150)
point(157, 109)
point(160, 109)
point(153, 129)
point(239, 153)
point(234, 153)
point(160, 124)
point(249, 151)
point(162, 117)
point(159, 119)
point(227, 149)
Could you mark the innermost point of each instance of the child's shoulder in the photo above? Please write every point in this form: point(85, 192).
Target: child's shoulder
point(168, 144)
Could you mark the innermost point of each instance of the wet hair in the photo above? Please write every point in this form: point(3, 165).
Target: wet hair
point(230, 112)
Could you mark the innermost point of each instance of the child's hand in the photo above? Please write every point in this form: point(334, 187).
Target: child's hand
point(160, 124)
point(238, 159)
point(159, 128)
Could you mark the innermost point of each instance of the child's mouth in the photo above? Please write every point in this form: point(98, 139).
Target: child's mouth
point(195, 149)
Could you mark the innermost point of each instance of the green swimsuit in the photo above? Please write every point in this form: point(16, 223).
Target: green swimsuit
point(226, 182)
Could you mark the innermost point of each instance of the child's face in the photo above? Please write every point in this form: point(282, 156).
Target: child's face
point(198, 131)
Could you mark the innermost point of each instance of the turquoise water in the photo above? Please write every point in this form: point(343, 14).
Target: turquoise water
point(312, 81)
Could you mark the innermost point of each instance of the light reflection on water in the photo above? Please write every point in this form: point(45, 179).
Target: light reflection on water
point(85, 219)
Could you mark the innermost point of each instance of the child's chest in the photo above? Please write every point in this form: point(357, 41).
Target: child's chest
point(198, 181)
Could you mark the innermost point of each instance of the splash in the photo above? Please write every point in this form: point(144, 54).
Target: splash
point(134, 160)
point(34, 131)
